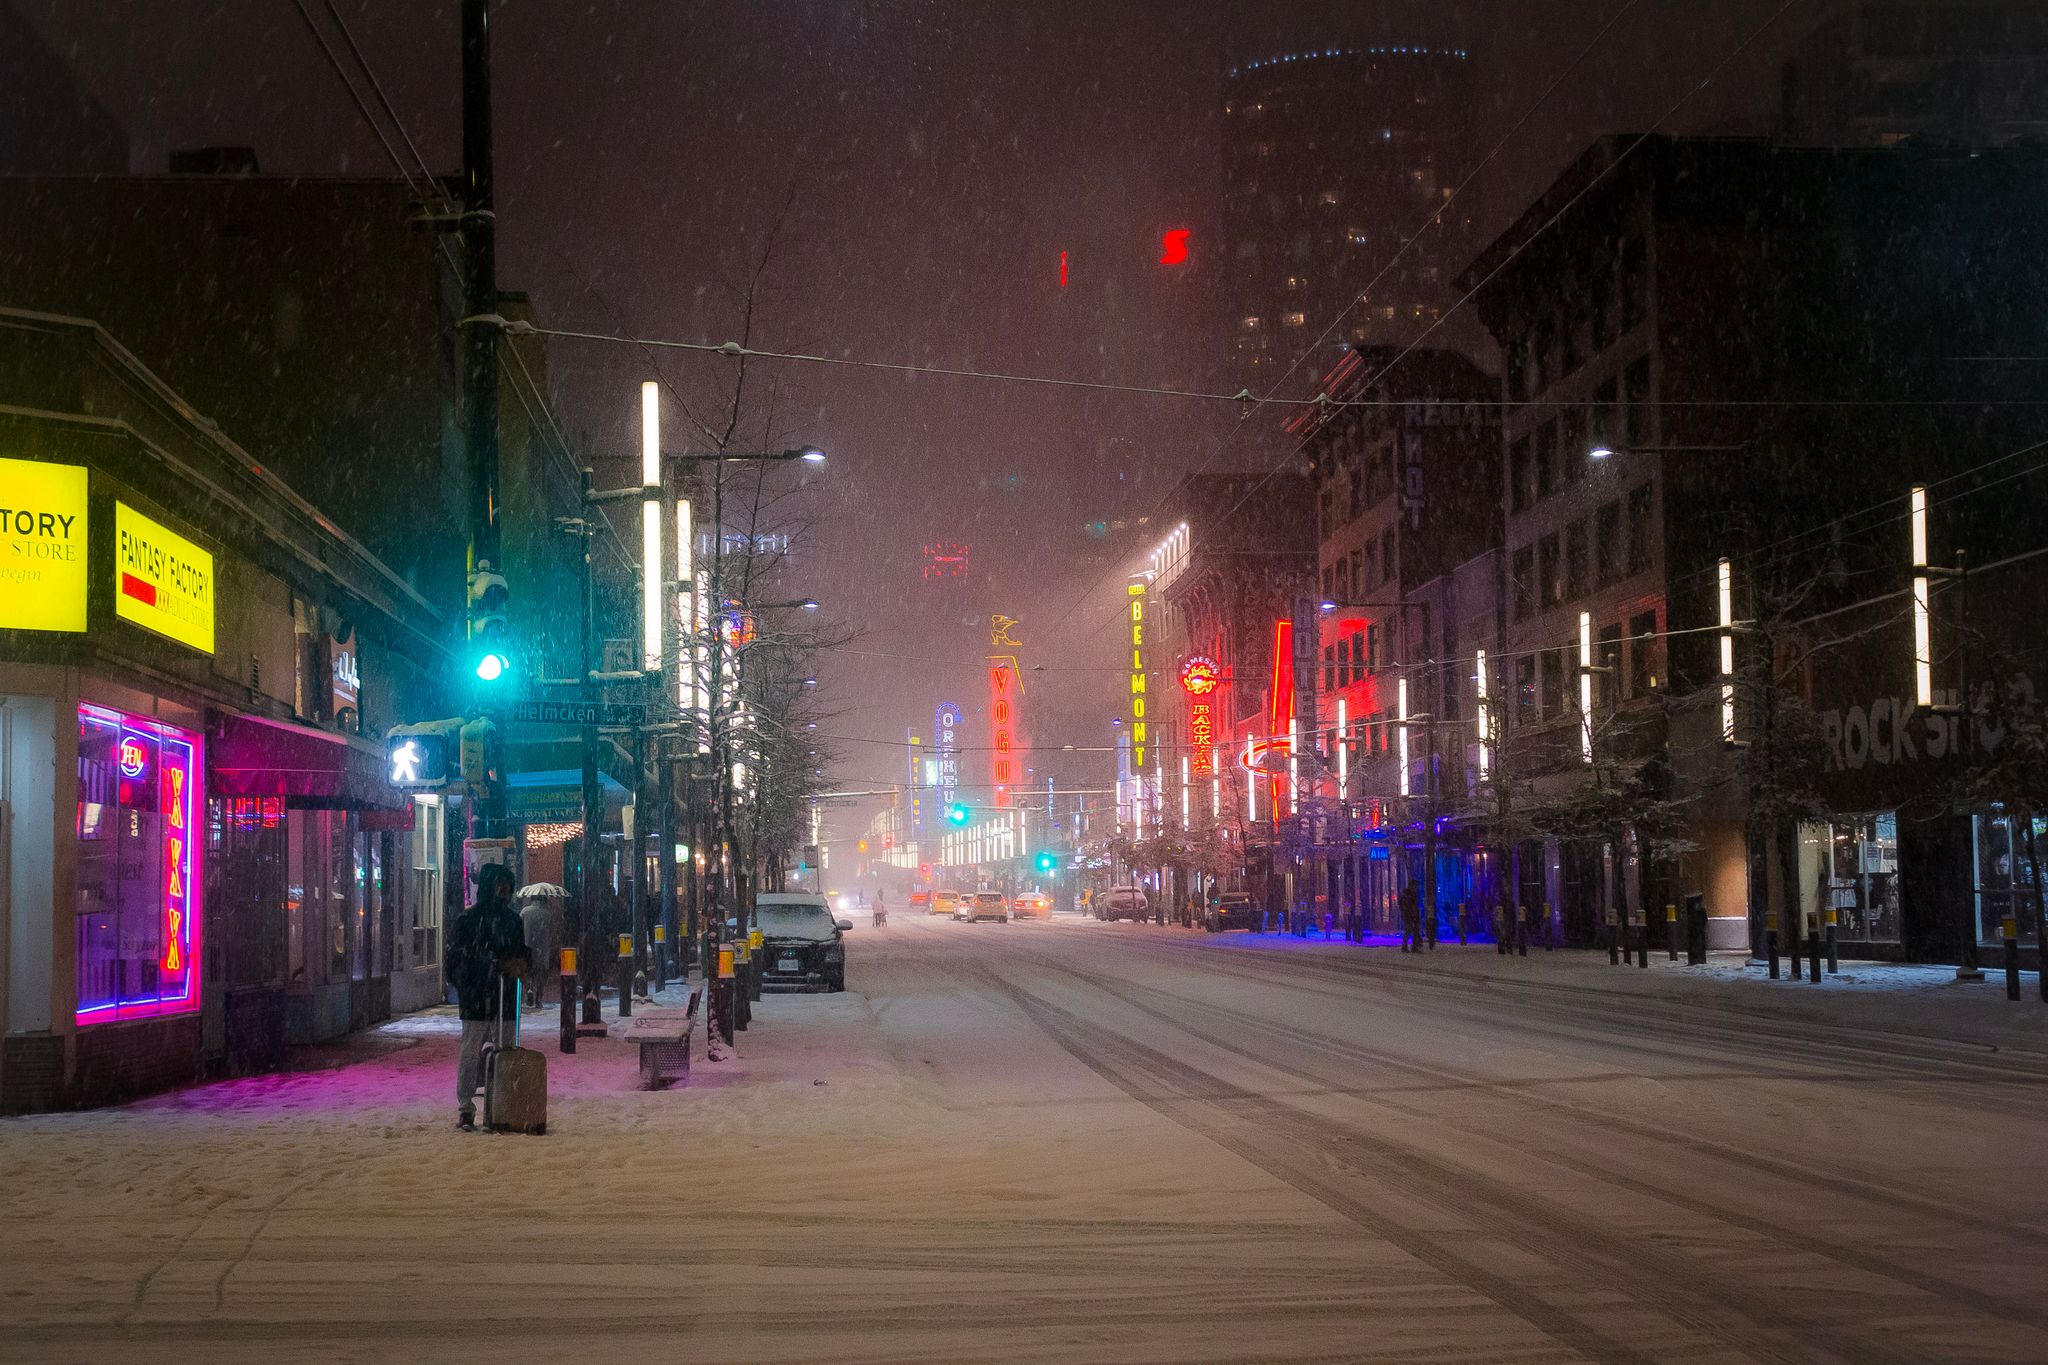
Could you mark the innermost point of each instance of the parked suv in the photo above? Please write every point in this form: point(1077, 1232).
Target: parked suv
point(1122, 902)
point(801, 941)
point(1233, 910)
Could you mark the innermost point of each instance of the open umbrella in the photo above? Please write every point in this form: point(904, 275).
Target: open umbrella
point(541, 891)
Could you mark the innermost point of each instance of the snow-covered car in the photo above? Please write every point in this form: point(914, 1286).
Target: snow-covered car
point(984, 905)
point(1031, 905)
point(1232, 910)
point(800, 941)
point(1122, 902)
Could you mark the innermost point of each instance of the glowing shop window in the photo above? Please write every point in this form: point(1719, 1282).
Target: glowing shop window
point(139, 840)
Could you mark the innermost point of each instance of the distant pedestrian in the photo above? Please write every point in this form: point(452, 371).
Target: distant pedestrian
point(1411, 919)
point(486, 953)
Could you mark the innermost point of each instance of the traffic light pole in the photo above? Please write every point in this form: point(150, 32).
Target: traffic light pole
point(593, 795)
point(480, 340)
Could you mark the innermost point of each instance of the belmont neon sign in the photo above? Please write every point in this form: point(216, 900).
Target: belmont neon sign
point(1139, 733)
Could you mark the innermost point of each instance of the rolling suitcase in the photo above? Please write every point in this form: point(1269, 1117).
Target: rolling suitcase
point(515, 1081)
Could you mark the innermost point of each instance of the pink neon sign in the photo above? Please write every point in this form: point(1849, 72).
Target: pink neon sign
point(138, 824)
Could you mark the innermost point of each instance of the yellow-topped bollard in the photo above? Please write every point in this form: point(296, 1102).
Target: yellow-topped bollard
point(568, 962)
point(725, 960)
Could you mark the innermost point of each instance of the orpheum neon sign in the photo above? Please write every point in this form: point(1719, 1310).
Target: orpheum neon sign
point(1199, 678)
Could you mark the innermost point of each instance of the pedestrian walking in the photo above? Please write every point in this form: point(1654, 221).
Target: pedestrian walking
point(1411, 919)
point(486, 951)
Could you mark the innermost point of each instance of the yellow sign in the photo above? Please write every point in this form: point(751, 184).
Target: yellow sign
point(162, 581)
point(42, 546)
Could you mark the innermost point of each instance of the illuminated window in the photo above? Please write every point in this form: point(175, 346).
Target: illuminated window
point(1387, 312)
point(1356, 236)
point(1327, 197)
point(1294, 281)
point(138, 867)
point(1251, 324)
point(1295, 319)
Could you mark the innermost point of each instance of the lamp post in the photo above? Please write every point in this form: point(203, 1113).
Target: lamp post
point(728, 889)
point(1923, 574)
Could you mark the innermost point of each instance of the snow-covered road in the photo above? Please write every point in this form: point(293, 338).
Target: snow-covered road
point(1074, 1141)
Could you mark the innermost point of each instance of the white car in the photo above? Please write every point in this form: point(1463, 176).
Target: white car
point(1122, 902)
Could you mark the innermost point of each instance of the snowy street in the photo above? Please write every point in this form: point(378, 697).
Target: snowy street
point(1070, 1140)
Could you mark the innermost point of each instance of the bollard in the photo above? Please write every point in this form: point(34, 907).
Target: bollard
point(1671, 930)
point(568, 994)
point(1771, 950)
point(722, 993)
point(660, 956)
point(1613, 939)
point(1834, 955)
point(1813, 953)
point(1522, 933)
point(1464, 908)
point(757, 965)
point(1639, 925)
point(625, 976)
point(2011, 928)
point(742, 1005)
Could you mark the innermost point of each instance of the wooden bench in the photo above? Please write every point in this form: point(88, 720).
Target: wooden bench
point(664, 1039)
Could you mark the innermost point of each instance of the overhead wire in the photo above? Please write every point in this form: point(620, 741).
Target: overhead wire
point(435, 196)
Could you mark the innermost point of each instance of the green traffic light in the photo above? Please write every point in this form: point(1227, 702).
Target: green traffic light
point(957, 814)
point(491, 667)
point(1047, 862)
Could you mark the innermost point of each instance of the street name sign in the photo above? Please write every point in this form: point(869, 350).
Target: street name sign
point(540, 711)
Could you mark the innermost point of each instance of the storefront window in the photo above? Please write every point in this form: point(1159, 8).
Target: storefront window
point(2007, 879)
point(138, 867)
point(1863, 877)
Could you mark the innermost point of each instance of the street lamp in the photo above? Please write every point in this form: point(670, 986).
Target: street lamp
point(1608, 452)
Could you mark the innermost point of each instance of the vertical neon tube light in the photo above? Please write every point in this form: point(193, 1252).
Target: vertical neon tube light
point(1401, 731)
point(1923, 625)
point(1183, 791)
point(1293, 768)
point(1586, 686)
point(686, 677)
point(650, 525)
point(1215, 798)
point(1343, 753)
point(1251, 795)
point(1724, 591)
point(1484, 719)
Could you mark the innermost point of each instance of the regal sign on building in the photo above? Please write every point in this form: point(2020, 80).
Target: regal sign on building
point(42, 546)
point(162, 581)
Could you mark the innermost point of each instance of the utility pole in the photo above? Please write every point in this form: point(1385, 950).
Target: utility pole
point(593, 795)
point(480, 338)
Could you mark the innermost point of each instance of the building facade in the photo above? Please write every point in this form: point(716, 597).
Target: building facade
point(1332, 156)
point(1720, 352)
point(203, 861)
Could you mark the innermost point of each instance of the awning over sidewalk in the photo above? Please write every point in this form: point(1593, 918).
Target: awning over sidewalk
point(254, 756)
point(556, 795)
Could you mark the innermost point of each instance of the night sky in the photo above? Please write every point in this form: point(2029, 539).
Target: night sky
point(935, 158)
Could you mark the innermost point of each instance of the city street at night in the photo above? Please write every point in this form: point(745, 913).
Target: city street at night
point(1074, 1140)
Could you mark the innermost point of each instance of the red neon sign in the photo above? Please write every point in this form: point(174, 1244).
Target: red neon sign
point(1280, 701)
point(1173, 247)
point(1063, 270)
point(1199, 678)
point(1002, 714)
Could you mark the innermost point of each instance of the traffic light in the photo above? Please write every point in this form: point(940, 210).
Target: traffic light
point(956, 815)
point(1048, 861)
point(490, 633)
